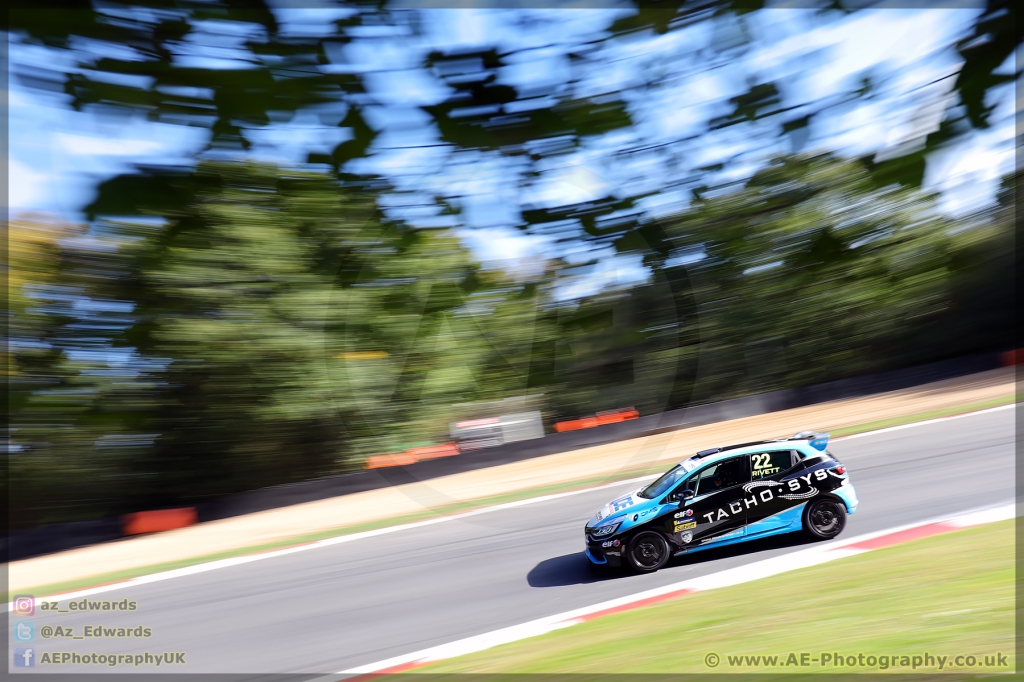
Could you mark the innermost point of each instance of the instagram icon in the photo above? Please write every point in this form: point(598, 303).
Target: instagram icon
point(24, 605)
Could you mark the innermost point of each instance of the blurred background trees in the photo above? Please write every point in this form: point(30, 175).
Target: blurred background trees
point(233, 322)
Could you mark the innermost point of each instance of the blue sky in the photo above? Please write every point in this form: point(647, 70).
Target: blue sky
point(57, 156)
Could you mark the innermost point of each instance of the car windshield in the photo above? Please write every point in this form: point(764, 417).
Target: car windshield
point(667, 480)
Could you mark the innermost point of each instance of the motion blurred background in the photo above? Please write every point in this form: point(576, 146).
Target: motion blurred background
point(256, 243)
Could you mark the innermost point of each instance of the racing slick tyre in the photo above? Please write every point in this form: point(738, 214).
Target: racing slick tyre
point(648, 551)
point(824, 518)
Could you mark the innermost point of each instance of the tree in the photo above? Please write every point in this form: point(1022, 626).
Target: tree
point(71, 437)
point(232, 324)
point(147, 58)
point(811, 274)
point(294, 329)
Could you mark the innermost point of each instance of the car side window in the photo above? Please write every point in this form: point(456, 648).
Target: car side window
point(765, 464)
point(725, 474)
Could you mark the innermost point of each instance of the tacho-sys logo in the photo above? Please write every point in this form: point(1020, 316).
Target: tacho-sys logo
point(765, 491)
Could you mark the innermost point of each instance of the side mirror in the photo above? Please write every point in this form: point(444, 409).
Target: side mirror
point(682, 495)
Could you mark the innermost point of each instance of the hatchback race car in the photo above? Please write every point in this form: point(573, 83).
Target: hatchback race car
point(723, 496)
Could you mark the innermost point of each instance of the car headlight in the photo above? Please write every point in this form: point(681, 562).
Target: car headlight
point(606, 530)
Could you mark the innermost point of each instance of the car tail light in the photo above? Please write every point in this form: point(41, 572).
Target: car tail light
point(840, 469)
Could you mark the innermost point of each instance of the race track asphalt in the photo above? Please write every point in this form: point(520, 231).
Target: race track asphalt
point(337, 607)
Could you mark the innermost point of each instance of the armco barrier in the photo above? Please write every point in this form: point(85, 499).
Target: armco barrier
point(58, 537)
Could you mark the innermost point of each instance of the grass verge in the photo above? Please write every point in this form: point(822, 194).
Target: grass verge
point(448, 510)
point(947, 595)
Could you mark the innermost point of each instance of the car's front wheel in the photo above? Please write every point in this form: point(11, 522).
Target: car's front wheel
point(825, 518)
point(648, 551)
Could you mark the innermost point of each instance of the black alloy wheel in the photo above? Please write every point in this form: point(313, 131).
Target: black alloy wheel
point(825, 519)
point(648, 551)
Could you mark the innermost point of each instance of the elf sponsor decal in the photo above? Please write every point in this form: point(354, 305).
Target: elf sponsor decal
point(766, 491)
point(683, 514)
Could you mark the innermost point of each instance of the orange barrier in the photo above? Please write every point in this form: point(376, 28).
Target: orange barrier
point(158, 520)
point(601, 419)
point(434, 451)
point(1011, 357)
point(382, 461)
point(411, 456)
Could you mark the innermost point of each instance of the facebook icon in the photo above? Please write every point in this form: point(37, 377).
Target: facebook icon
point(24, 657)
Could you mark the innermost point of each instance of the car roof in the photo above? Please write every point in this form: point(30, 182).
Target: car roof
point(799, 442)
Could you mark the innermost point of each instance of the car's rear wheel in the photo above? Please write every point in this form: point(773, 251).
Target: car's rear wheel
point(824, 518)
point(648, 551)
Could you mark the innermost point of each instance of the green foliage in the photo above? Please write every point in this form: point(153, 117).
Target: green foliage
point(140, 58)
point(812, 274)
point(806, 273)
point(243, 325)
point(304, 329)
point(286, 330)
point(232, 325)
point(73, 416)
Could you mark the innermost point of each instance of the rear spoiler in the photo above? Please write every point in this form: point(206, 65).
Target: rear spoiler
point(818, 441)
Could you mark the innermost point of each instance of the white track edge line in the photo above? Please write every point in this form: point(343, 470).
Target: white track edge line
point(925, 422)
point(805, 558)
point(236, 561)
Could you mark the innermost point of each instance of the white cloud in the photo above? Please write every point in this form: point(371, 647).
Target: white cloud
point(26, 188)
point(968, 177)
point(508, 249)
point(568, 185)
point(85, 145)
point(613, 272)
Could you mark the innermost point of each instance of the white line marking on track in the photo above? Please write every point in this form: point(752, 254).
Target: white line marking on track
point(237, 561)
point(925, 423)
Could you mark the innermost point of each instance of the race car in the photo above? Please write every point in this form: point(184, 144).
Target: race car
point(723, 496)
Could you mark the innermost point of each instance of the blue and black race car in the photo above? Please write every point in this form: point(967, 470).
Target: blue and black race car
point(723, 496)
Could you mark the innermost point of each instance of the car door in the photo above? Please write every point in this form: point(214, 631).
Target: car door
point(716, 508)
point(768, 498)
